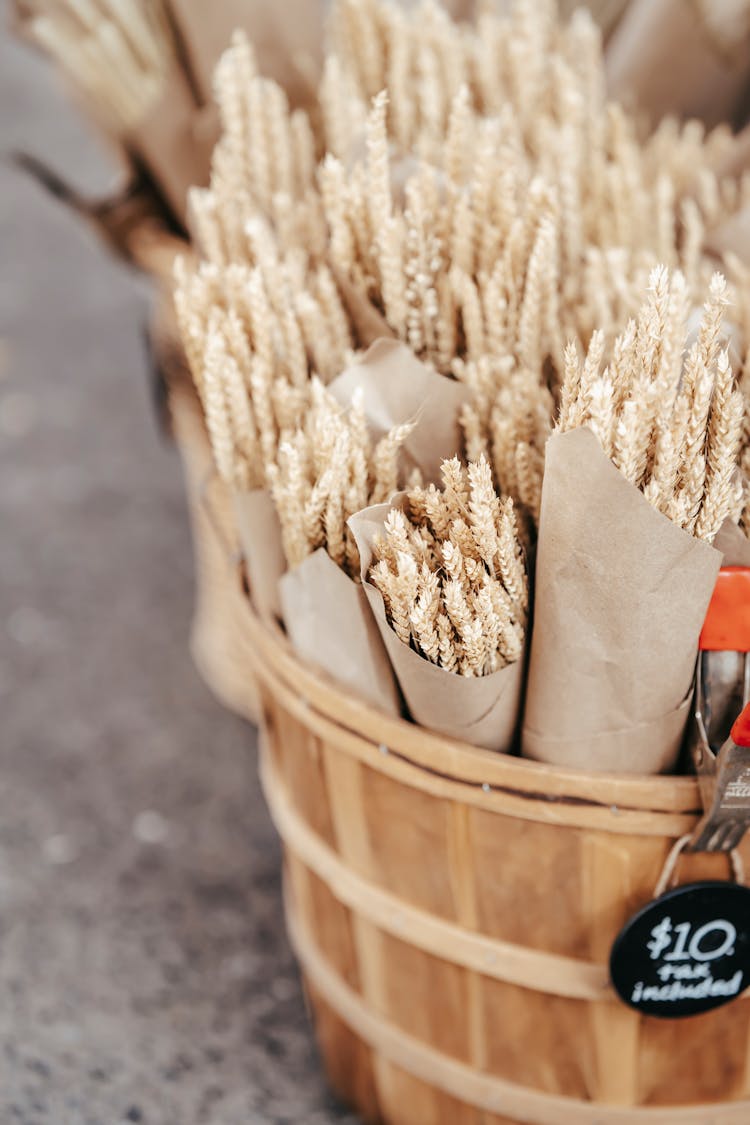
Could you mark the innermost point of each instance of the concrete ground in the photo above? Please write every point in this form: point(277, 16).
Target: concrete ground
point(144, 972)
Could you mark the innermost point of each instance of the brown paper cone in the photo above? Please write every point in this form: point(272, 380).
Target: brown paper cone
point(175, 141)
point(621, 595)
point(259, 533)
point(287, 39)
point(369, 324)
point(733, 237)
point(329, 623)
point(396, 388)
point(735, 159)
point(674, 56)
point(605, 12)
point(733, 544)
point(483, 710)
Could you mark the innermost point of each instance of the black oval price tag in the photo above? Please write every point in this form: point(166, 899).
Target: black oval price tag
point(686, 952)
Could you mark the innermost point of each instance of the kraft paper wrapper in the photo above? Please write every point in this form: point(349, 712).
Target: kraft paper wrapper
point(369, 324)
point(736, 158)
point(666, 57)
point(175, 141)
point(483, 710)
point(287, 38)
point(621, 595)
point(732, 237)
point(733, 544)
point(605, 12)
point(397, 388)
point(329, 623)
point(259, 533)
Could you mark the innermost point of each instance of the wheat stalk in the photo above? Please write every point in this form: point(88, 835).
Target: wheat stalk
point(474, 188)
point(672, 425)
point(452, 575)
point(118, 52)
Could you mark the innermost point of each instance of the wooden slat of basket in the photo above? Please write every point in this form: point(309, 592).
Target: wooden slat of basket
point(564, 976)
point(346, 802)
point(480, 1091)
point(219, 644)
point(349, 1060)
point(460, 859)
point(615, 1028)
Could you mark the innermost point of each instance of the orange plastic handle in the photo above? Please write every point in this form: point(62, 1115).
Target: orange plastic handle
point(727, 624)
point(741, 727)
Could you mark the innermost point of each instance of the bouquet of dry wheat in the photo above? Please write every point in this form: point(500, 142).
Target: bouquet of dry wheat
point(640, 475)
point(692, 60)
point(409, 273)
point(445, 576)
point(301, 457)
point(395, 209)
point(144, 72)
point(126, 61)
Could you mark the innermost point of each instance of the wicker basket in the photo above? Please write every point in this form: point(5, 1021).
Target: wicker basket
point(453, 910)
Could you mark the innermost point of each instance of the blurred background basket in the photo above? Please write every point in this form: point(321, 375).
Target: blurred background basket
point(453, 912)
point(218, 643)
point(132, 224)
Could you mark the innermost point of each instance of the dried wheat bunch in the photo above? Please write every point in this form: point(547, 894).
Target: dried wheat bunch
point(263, 168)
point(524, 54)
point(665, 410)
point(508, 421)
point(492, 164)
point(540, 80)
point(117, 51)
point(475, 189)
point(489, 249)
point(533, 215)
point(327, 469)
point(253, 337)
point(475, 185)
point(452, 574)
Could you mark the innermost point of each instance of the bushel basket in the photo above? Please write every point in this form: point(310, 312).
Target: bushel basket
point(453, 911)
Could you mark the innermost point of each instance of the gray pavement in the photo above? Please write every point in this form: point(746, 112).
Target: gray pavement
point(144, 972)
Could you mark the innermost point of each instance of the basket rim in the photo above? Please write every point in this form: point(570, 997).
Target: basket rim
point(275, 661)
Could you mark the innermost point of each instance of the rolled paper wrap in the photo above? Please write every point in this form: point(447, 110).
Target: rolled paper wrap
point(287, 39)
point(175, 140)
point(735, 159)
point(329, 623)
point(620, 597)
point(733, 544)
point(259, 533)
point(397, 388)
point(732, 237)
point(369, 324)
point(605, 12)
point(684, 57)
point(481, 710)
